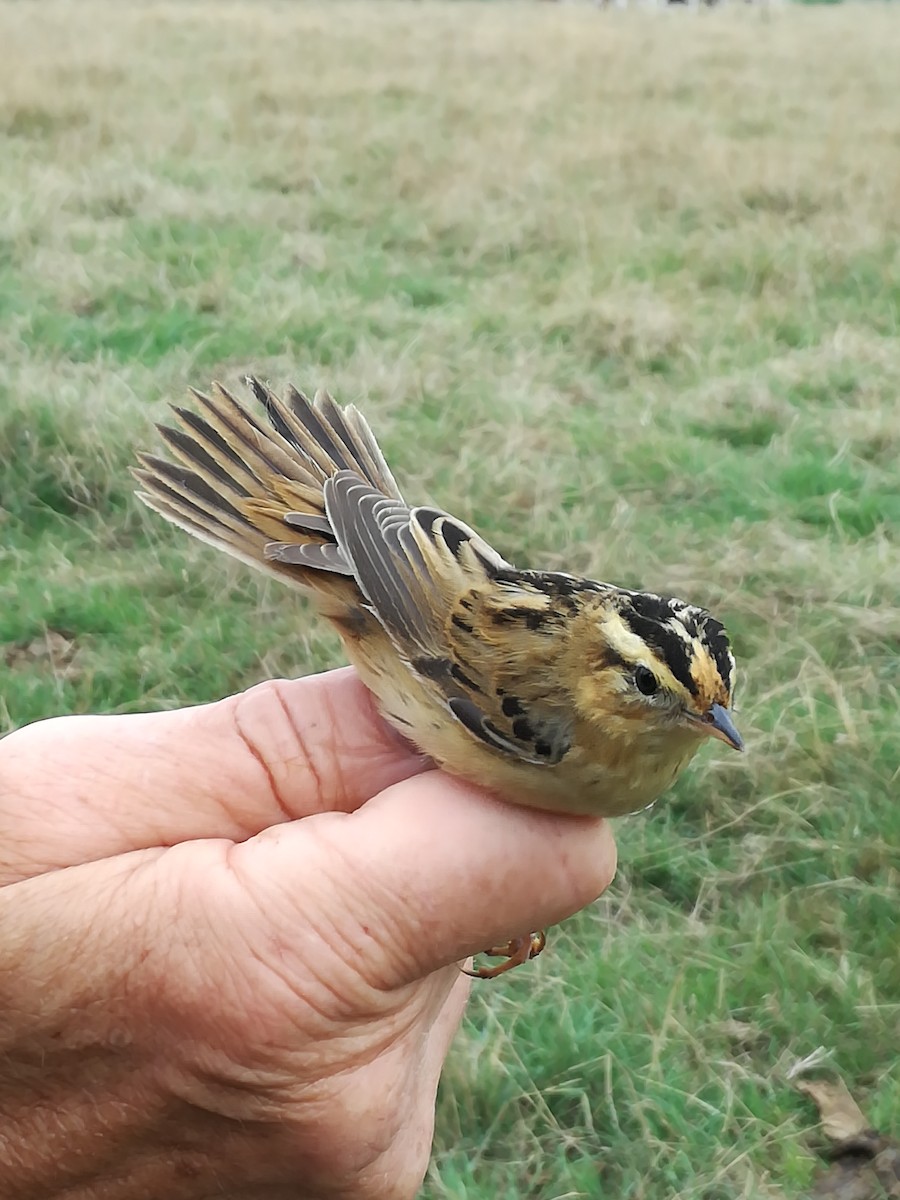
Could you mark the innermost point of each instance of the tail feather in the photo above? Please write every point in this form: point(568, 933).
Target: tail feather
point(322, 432)
point(200, 500)
point(263, 451)
point(249, 548)
point(223, 472)
point(256, 491)
point(299, 423)
point(205, 435)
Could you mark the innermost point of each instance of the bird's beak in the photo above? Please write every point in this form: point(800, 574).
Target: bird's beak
point(718, 724)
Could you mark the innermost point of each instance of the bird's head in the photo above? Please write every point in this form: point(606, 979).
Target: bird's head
point(660, 664)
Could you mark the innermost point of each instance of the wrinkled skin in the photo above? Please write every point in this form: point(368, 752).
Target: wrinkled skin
point(243, 983)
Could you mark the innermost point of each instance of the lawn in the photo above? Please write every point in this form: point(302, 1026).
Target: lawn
point(620, 289)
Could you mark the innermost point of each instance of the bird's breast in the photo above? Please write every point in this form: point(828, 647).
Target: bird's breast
point(604, 773)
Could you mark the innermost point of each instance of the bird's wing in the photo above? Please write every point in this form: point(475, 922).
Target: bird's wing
point(457, 615)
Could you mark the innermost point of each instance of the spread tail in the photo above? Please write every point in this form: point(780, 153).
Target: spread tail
point(257, 491)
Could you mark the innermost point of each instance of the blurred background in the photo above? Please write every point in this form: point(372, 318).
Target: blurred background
point(622, 290)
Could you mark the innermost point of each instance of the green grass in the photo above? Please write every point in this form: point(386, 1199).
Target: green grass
point(621, 289)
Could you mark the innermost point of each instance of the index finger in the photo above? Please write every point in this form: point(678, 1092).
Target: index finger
point(77, 789)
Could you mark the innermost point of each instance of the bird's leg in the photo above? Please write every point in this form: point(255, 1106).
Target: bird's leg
point(514, 953)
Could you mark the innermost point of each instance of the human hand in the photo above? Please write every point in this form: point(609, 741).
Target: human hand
point(228, 938)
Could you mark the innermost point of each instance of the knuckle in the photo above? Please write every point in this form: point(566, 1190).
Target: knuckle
point(294, 751)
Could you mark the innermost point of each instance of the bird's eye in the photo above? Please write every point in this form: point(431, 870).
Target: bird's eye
point(645, 681)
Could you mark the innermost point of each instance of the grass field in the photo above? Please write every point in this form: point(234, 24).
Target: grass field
point(621, 289)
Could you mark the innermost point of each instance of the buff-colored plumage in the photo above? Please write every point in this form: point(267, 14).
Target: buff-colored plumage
point(556, 692)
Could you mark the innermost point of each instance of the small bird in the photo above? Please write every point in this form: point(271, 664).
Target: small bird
point(556, 692)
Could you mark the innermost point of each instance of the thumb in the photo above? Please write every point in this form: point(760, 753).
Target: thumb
point(78, 789)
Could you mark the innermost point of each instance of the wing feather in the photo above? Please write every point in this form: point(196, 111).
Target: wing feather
point(365, 524)
point(320, 558)
point(424, 572)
